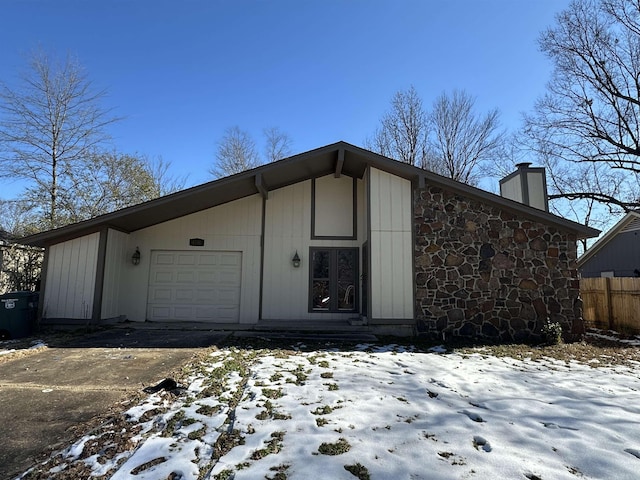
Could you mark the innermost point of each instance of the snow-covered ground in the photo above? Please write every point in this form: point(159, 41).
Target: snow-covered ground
point(379, 412)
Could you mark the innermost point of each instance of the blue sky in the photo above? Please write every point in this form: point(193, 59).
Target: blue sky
point(322, 71)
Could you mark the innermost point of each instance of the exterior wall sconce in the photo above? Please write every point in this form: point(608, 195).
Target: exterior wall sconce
point(135, 258)
point(296, 260)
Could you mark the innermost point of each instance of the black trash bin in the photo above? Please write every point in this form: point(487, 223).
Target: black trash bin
point(18, 313)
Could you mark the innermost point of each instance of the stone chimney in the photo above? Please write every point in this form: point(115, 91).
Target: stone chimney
point(526, 185)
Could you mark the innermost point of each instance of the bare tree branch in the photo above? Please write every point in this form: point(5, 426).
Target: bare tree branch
point(590, 116)
point(236, 153)
point(403, 130)
point(277, 144)
point(461, 141)
point(450, 139)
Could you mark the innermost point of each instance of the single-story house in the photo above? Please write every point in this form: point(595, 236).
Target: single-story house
point(333, 237)
point(617, 253)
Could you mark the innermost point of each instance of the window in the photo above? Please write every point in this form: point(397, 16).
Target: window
point(334, 274)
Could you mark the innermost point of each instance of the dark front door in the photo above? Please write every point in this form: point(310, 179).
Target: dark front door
point(334, 275)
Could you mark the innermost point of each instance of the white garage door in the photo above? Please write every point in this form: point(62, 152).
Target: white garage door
point(194, 286)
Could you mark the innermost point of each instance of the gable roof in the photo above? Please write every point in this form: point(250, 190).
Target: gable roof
point(338, 158)
point(628, 223)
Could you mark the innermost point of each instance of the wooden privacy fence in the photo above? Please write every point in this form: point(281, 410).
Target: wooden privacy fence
point(611, 303)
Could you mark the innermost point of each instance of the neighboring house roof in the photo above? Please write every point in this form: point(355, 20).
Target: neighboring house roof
point(338, 158)
point(630, 222)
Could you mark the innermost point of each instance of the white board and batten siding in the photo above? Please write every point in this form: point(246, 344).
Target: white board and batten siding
point(71, 277)
point(334, 206)
point(116, 259)
point(232, 230)
point(220, 281)
point(288, 229)
point(390, 246)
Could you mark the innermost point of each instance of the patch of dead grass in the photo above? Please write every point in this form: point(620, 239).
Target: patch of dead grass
point(593, 351)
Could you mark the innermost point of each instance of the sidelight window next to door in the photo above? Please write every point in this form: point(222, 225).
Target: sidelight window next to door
point(333, 282)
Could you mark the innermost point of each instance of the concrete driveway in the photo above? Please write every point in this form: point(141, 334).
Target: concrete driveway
point(47, 397)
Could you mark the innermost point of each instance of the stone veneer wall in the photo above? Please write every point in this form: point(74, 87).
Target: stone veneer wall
point(484, 272)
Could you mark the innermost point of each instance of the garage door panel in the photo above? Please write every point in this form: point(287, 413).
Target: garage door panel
point(205, 295)
point(203, 313)
point(195, 286)
point(186, 259)
point(185, 277)
point(183, 295)
point(230, 260)
point(183, 312)
point(228, 296)
point(163, 277)
point(208, 260)
point(206, 277)
point(159, 312)
point(160, 294)
point(165, 259)
point(229, 277)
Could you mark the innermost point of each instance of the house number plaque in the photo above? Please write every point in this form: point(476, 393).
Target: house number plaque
point(9, 302)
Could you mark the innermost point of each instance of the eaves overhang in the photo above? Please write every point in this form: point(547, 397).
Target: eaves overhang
point(340, 158)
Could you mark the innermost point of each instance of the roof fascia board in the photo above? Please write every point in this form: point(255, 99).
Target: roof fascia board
point(44, 240)
point(93, 225)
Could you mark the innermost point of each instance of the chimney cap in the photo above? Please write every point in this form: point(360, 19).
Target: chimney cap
point(523, 165)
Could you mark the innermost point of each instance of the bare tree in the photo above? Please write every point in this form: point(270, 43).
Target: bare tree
point(16, 220)
point(451, 139)
point(237, 150)
point(589, 118)
point(403, 130)
point(49, 124)
point(236, 153)
point(277, 144)
point(106, 182)
point(20, 267)
point(111, 181)
point(461, 141)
